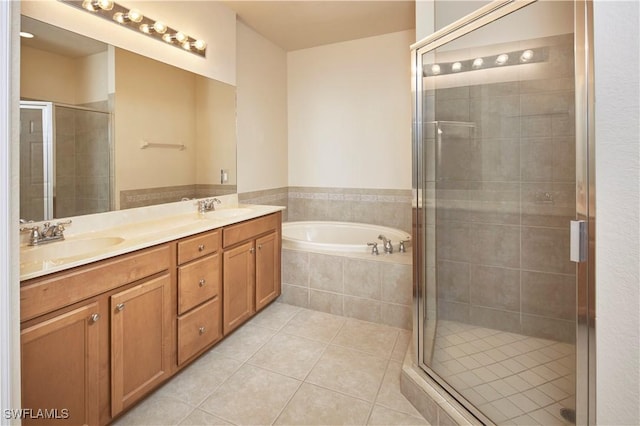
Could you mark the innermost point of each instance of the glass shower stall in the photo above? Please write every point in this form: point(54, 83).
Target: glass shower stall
point(503, 225)
point(65, 161)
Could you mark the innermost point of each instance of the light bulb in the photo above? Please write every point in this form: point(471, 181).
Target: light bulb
point(186, 45)
point(181, 37)
point(456, 66)
point(160, 27)
point(477, 63)
point(145, 28)
point(119, 17)
point(200, 44)
point(526, 56)
point(502, 59)
point(105, 4)
point(88, 4)
point(435, 69)
point(168, 38)
point(135, 15)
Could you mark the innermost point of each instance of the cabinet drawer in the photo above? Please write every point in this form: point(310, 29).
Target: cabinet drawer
point(199, 329)
point(197, 282)
point(42, 295)
point(198, 246)
point(243, 231)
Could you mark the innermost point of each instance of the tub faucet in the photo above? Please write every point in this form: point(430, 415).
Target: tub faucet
point(388, 247)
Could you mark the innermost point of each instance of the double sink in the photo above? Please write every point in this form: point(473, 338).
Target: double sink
point(83, 246)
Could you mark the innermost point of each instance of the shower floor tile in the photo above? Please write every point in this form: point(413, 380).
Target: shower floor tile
point(512, 378)
point(290, 365)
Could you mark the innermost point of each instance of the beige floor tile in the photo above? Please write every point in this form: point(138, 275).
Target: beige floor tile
point(314, 325)
point(390, 395)
point(290, 355)
point(313, 405)
point(244, 342)
point(200, 379)
point(400, 348)
point(275, 316)
point(251, 396)
point(156, 410)
point(375, 339)
point(200, 418)
point(349, 371)
point(384, 416)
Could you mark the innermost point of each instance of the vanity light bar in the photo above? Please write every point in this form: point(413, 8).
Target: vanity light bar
point(519, 57)
point(135, 20)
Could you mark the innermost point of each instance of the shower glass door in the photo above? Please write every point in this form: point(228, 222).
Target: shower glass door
point(495, 174)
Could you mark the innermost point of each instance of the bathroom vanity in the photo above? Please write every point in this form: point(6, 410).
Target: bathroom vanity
point(99, 336)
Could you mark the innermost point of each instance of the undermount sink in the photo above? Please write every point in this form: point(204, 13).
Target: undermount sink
point(228, 213)
point(68, 248)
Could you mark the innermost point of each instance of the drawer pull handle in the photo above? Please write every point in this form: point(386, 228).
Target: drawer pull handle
point(202, 282)
point(94, 318)
point(201, 247)
point(120, 307)
point(201, 330)
point(252, 250)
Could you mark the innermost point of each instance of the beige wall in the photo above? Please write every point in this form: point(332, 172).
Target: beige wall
point(159, 116)
point(44, 76)
point(262, 112)
point(92, 77)
point(350, 114)
point(207, 20)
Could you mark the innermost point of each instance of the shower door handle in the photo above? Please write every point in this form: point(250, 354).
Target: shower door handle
point(578, 247)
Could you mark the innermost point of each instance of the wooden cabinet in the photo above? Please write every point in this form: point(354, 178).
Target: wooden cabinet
point(251, 265)
point(199, 294)
point(238, 285)
point(268, 284)
point(97, 338)
point(76, 352)
point(140, 340)
point(60, 366)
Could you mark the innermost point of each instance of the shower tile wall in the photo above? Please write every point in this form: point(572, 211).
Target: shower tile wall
point(82, 162)
point(505, 195)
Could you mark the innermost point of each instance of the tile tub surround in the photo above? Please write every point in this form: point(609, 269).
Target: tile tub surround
point(272, 197)
point(289, 365)
point(378, 289)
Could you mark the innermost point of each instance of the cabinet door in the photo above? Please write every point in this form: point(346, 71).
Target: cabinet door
point(238, 285)
point(60, 361)
point(267, 270)
point(140, 340)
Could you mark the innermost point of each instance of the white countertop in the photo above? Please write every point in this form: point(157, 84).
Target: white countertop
point(160, 228)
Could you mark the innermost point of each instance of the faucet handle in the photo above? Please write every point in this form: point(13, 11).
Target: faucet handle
point(60, 226)
point(402, 248)
point(374, 248)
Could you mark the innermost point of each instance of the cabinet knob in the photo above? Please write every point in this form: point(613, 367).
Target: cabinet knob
point(259, 246)
point(201, 330)
point(252, 250)
point(201, 247)
point(202, 282)
point(119, 307)
point(94, 318)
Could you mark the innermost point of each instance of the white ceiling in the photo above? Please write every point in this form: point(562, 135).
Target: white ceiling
point(300, 24)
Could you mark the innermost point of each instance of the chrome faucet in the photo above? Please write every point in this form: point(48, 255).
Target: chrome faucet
point(388, 247)
point(47, 234)
point(207, 205)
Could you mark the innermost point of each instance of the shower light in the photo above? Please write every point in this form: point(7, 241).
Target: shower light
point(25, 34)
point(502, 59)
point(526, 56)
point(477, 63)
point(435, 69)
point(456, 66)
point(134, 19)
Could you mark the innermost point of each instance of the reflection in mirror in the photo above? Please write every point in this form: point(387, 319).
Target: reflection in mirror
point(103, 128)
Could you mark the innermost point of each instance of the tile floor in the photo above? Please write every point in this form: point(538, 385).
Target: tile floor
point(289, 365)
point(512, 378)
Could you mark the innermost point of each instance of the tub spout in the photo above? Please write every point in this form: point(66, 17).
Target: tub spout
point(388, 247)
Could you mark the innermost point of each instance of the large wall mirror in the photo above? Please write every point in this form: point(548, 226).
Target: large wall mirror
point(104, 129)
